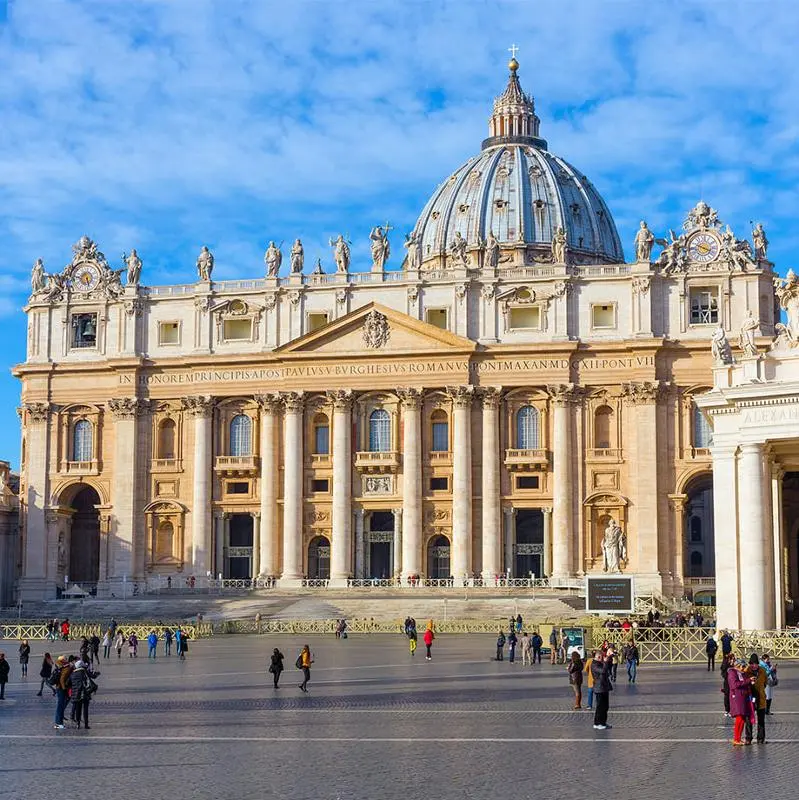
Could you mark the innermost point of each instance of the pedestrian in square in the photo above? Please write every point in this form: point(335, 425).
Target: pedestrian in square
point(107, 639)
point(412, 637)
point(512, 641)
point(771, 680)
point(119, 643)
point(758, 678)
point(184, 645)
point(167, 642)
point(518, 623)
point(726, 643)
point(5, 669)
point(601, 668)
point(631, 659)
point(45, 673)
point(304, 661)
point(553, 646)
point(500, 646)
point(711, 648)
point(526, 648)
point(428, 640)
point(276, 666)
point(133, 646)
point(536, 642)
point(24, 657)
point(740, 700)
point(727, 662)
point(575, 670)
point(94, 648)
point(589, 679)
point(152, 645)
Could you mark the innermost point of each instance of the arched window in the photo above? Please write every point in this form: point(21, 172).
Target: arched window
point(703, 435)
point(166, 439)
point(440, 428)
point(82, 441)
point(321, 434)
point(240, 435)
point(379, 431)
point(527, 428)
point(602, 425)
point(164, 540)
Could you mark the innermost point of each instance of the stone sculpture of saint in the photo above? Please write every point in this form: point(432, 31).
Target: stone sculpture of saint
point(458, 249)
point(273, 258)
point(133, 263)
point(297, 258)
point(644, 239)
point(37, 276)
point(414, 247)
point(341, 253)
point(559, 246)
point(720, 346)
point(746, 337)
point(381, 249)
point(492, 251)
point(760, 241)
point(205, 264)
point(612, 547)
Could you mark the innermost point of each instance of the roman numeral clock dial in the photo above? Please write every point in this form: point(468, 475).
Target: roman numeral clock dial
point(703, 247)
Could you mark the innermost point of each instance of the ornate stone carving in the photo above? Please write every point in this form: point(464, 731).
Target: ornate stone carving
point(341, 254)
point(133, 266)
point(37, 277)
point(127, 407)
point(413, 294)
point(315, 515)
point(642, 392)
point(641, 284)
point(411, 397)
point(37, 412)
point(295, 295)
point(559, 253)
point(198, 405)
point(273, 258)
point(746, 336)
point(561, 393)
point(413, 244)
point(293, 402)
point(437, 516)
point(378, 484)
point(341, 399)
point(376, 330)
point(270, 301)
point(457, 250)
point(720, 346)
point(491, 251)
point(614, 548)
point(644, 239)
point(205, 264)
point(133, 307)
point(460, 291)
point(488, 292)
point(461, 396)
point(562, 289)
point(202, 303)
point(268, 403)
point(490, 396)
point(787, 292)
point(341, 296)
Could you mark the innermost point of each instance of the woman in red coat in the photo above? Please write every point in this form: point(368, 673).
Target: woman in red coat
point(740, 699)
point(428, 639)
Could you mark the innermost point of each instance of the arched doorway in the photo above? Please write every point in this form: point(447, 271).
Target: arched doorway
point(84, 539)
point(698, 532)
point(438, 555)
point(380, 557)
point(319, 558)
point(528, 549)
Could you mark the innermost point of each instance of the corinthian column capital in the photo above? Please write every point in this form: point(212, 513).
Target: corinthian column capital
point(127, 407)
point(293, 401)
point(411, 397)
point(341, 399)
point(490, 396)
point(198, 405)
point(563, 393)
point(268, 403)
point(461, 396)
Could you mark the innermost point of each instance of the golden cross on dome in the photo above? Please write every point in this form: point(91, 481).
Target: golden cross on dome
point(513, 49)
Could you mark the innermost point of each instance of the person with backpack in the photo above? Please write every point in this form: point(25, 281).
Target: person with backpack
point(82, 687)
point(601, 668)
point(412, 637)
point(276, 665)
point(631, 659)
point(304, 661)
point(771, 680)
point(726, 643)
point(45, 673)
point(60, 678)
point(711, 648)
point(758, 678)
point(5, 670)
point(500, 646)
point(428, 638)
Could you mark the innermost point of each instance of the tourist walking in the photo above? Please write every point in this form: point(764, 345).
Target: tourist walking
point(518, 623)
point(304, 661)
point(82, 686)
point(178, 636)
point(512, 641)
point(631, 659)
point(726, 643)
point(65, 630)
point(600, 669)
point(184, 645)
point(563, 651)
point(152, 645)
point(276, 666)
point(94, 646)
point(553, 646)
point(412, 637)
point(536, 642)
point(428, 640)
point(727, 662)
point(167, 642)
point(133, 646)
point(24, 657)
point(107, 640)
point(5, 669)
point(740, 700)
point(63, 669)
point(771, 680)
point(500, 646)
point(758, 678)
point(45, 673)
point(575, 670)
point(119, 643)
point(526, 648)
point(711, 648)
point(589, 679)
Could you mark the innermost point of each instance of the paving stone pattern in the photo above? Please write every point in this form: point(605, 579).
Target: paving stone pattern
point(379, 724)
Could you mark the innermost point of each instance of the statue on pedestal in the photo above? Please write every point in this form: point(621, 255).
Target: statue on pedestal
point(720, 346)
point(644, 239)
point(273, 258)
point(341, 253)
point(414, 247)
point(457, 249)
point(297, 258)
point(133, 263)
point(492, 251)
point(381, 249)
point(37, 277)
point(760, 242)
point(559, 246)
point(614, 547)
point(205, 264)
point(746, 336)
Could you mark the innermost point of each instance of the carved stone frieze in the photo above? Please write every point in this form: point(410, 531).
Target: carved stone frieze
point(376, 330)
point(378, 484)
point(641, 284)
point(198, 405)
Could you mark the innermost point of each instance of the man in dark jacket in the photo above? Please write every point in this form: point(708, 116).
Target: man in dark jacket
point(710, 648)
point(726, 643)
point(5, 668)
point(600, 671)
point(535, 642)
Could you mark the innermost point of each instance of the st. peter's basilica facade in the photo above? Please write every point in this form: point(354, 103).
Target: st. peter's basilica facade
point(493, 407)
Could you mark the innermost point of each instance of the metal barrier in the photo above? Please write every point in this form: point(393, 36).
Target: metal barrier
point(77, 630)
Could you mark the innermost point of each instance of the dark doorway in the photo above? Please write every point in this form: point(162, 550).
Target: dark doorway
point(528, 549)
point(438, 553)
point(84, 542)
point(240, 547)
point(319, 559)
point(381, 544)
point(700, 556)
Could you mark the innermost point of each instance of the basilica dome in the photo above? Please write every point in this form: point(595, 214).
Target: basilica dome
point(522, 193)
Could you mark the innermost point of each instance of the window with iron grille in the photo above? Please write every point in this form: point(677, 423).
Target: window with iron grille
point(704, 307)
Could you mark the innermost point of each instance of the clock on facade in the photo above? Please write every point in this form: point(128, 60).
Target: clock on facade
point(86, 278)
point(703, 247)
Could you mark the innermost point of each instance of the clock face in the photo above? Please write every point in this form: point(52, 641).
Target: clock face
point(703, 247)
point(86, 278)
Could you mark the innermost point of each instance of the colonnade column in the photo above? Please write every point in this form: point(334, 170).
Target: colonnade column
point(509, 517)
point(256, 544)
point(777, 474)
point(270, 408)
point(757, 578)
point(491, 530)
point(411, 482)
point(725, 527)
point(397, 549)
point(292, 488)
point(225, 544)
point(359, 543)
point(219, 544)
point(461, 558)
point(341, 546)
point(201, 408)
point(563, 516)
point(546, 564)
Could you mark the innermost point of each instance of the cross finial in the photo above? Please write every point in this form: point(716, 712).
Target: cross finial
point(513, 49)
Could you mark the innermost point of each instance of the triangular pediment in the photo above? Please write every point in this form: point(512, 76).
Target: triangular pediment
point(377, 329)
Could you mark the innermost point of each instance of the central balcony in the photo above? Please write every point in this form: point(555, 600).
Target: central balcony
point(236, 466)
point(526, 459)
point(382, 461)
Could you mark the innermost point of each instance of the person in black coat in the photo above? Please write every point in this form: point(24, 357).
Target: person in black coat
point(711, 647)
point(81, 684)
point(276, 665)
point(601, 668)
point(5, 668)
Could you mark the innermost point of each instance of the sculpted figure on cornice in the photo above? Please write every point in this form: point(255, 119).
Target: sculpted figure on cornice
point(787, 291)
point(720, 346)
point(760, 241)
point(746, 336)
point(644, 239)
point(381, 249)
point(559, 246)
point(133, 265)
point(297, 257)
point(341, 254)
point(492, 251)
point(37, 277)
point(273, 258)
point(457, 250)
point(413, 244)
point(205, 264)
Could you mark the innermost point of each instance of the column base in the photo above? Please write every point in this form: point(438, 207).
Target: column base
point(33, 590)
point(289, 582)
point(338, 582)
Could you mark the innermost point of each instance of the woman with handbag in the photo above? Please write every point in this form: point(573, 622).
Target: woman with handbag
point(82, 687)
point(276, 665)
point(304, 661)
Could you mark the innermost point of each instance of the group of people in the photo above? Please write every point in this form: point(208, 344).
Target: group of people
point(748, 689)
point(530, 646)
point(303, 662)
point(428, 636)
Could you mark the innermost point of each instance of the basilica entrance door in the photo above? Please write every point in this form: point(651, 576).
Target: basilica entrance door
point(438, 555)
point(381, 545)
point(240, 547)
point(319, 558)
point(528, 549)
point(84, 540)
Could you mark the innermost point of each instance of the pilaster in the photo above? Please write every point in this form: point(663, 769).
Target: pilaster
point(341, 545)
point(461, 563)
point(411, 482)
point(201, 408)
point(491, 531)
point(293, 405)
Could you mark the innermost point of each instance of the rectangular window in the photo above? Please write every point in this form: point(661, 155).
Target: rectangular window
point(237, 330)
point(316, 320)
point(322, 440)
point(84, 330)
point(439, 484)
point(238, 487)
point(320, 485)
point(527, 482)
point(527, 318)
point(440, 437)
point(168, 333)
point(603, 316)
point(437, 317)
point(704, 307)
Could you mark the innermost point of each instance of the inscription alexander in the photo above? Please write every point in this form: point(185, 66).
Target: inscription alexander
point(766, 416)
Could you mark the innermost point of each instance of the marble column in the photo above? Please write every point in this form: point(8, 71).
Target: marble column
point(461, 561)
point(725, 527)
point(270, 409)
point(509, 517)
point(757, 578)
point(397, 548)
point(341, 546)
point(411, 482)
point(292, 489)
point(256, 544)
point(225, 570)
point(778, 536)
point(201, 408)
point(563, 494)
point(359, 543)
point(491, 533)
point(219, 544)
point(547, 559)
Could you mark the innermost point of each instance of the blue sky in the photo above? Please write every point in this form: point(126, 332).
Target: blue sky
point(170, 124)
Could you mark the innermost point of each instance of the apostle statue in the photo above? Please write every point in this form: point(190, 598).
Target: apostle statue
point(341, 253)
point(457, 249)
point(413, 245)
point(720, 346)
point(37, 276)
point(492, 251)
point(273, 258)
point(614, 548)
point(644, 239)
point(297, 258)
point(133, 263)
point(760, 241)
point(746, 336)
point(381, 249)
point(559, 246)
point(205, 264)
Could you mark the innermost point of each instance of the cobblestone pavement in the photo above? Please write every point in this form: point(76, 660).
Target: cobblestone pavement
point(379, 724)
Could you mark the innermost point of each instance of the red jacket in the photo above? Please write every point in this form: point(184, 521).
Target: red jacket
point(428, 637)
